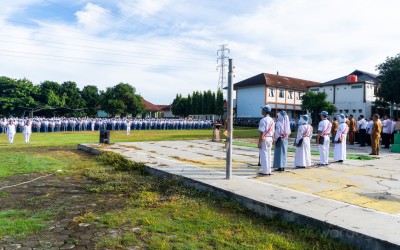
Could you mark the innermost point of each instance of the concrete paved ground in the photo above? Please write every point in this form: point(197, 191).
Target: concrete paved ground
point(373, 184)
point(356, 202)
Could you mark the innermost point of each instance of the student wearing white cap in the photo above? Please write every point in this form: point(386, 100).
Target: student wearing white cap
point(339, 153)
point(282, 132)
point(302, 157)
point(324, 130)
point(266, 129)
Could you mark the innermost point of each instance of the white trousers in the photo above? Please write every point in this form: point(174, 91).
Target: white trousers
point(265, 155)
point(324, 151)
point(27, 137)
point(128, 131)
point(11, 138)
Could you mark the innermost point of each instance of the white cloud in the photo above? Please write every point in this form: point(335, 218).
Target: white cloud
point(143, 8)
point(94, 18)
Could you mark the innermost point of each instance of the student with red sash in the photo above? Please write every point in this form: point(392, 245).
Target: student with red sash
point(302, 158)
point(339, 153)
point(324, 131)
point(267, 130)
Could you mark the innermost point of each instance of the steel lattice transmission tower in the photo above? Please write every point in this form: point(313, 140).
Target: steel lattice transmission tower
point(222, 65)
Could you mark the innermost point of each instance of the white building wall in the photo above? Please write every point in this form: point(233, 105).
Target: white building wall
point(349, 98)
point(249, 100)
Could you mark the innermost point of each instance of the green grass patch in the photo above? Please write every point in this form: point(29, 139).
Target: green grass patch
point(4, 194)
point(74, 138)
point(19, 223)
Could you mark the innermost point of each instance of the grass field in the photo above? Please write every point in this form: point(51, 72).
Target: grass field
point(152, 213)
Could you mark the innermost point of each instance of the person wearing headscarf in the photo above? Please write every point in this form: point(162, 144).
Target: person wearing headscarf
point(266, 129)
point(302, 157)
point(282, 132)
point(324, 131)
point(375, 134)
point(339, 153)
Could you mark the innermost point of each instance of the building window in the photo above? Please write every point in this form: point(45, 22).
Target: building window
point(281, 93)
point(354, 110)
point(290, 95)
point(356, 86)
point(341, 111)
point(314, 89)
point(271, 92)
point(360, 111)
point(298, 95)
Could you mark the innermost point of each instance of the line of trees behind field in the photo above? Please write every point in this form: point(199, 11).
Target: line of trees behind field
point(18, 96)
point(199, 103)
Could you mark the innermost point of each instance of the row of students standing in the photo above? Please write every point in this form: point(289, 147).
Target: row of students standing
point(278, 134)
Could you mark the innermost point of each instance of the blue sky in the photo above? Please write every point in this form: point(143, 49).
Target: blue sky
point(164, 47)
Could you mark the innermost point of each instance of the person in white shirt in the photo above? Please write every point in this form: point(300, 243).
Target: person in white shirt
point(370, 122)
point(3, 126)
point(128, 127)
point(302, 157)
point(339, 153)
point(27, 131)
point(11, 131)
point(267, 130)
point(386, 131)
point(362, 131)
point(324, 130)
point(394, 121)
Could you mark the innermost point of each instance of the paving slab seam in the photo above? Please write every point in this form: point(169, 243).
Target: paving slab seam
point(271, 207)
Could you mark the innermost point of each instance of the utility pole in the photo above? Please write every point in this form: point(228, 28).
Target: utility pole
point(222, 60)
point(230, 122)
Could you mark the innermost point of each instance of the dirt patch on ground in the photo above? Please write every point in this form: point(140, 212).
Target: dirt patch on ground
point(66, 194)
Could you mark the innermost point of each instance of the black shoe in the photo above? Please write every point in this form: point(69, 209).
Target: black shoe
point(279, 169)
point(300, 167)
point(262, 174)
point(339, 161)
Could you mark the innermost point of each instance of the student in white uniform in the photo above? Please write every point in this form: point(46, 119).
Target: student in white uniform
point(267, 130)
point(128, 127)
point(302, 157)
point(324, 130)
point(27, 131)
point(11, 131)
point(339, 153)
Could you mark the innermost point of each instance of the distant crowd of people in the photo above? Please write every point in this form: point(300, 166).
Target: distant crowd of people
point(11, 126)
point(342, 131)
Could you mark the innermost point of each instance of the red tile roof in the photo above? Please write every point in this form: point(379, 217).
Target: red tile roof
point(150, 106)
point(164, 107)
point(279, 81)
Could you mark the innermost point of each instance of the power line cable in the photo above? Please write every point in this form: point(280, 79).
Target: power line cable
point(102, 62)
point(144, 55)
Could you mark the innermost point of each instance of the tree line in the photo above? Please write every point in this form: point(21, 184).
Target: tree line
point(199, 103)
point(20, 96)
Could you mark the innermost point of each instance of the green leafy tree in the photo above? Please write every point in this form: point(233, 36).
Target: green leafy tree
point(219, 103)
point(15, 95)
point(91, 96)
point(389, 78)
point(74, 101)
point(121, 99)
point(315, 103)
